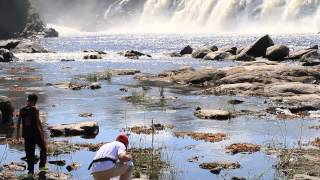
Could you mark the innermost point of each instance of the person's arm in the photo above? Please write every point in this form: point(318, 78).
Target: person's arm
point(39, 125)
point(125, 157)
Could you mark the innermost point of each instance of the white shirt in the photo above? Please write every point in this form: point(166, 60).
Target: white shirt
point(111, 150)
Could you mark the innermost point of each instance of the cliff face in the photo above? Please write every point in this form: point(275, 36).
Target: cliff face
point(18, 19)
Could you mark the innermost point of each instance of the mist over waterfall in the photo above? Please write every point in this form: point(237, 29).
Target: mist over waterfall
point(195, 16)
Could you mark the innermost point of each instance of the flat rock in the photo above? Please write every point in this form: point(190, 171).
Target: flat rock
point(89, 128)
point(212, 114)
point(93, 55)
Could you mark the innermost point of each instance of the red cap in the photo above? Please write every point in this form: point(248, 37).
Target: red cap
point(124, 139)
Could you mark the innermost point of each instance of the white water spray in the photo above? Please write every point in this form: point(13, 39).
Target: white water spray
point(209, 16)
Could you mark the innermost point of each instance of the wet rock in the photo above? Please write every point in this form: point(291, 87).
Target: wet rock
point(50, 32)
point(241, 57)
point(9, 44)
point(239, 50)
point(238, 178)
point(235, 101)
point(259, 47)
point(217, 55)
point(208, 137)
point(133, 54)
point(92, 147)
point(14, 166)
point(89, 128)
point(92, 56)
point(86, 115)
point(95, 51)
point(216, 167)
point(242, 148)
point(304, 177)
point(201, 53)
point(277, 52)
point(67, 60)
point(95, 85)
point(213, 114)
point(73, 166)
point(7, 56)
point(186, 50)
point(125, 72)
point(123, 89)
point(231, 50)
point(58, 162)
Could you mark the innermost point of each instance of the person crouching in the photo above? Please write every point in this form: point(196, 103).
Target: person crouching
point(112, 160)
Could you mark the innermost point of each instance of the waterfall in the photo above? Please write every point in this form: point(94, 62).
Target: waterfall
point(176, 16)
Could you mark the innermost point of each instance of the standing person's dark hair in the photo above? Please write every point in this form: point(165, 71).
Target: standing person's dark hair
point(33, 134)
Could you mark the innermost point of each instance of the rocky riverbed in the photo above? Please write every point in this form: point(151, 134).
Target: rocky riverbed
point(219, 107)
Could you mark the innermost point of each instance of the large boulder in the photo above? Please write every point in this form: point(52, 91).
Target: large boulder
point(186, 50)
point(259, 47)
point(89, 128)
point(18, 19)
point(277, 52)
point(217, 55)
point(7, 56)
point(50, 32)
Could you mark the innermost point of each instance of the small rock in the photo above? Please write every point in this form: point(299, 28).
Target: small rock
point(95, 85)
point(86, 115)
point(7, 56)
point(73, 166)
point(58, 162)
point(123, 89)
point(92, 56)
point(186, 50)
point(235, 101)
point(243, 148)
point(175, 54)
point(231, 50)
point(67, 60)
point(216, 170)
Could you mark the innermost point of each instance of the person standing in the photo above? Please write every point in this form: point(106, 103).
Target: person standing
point(112, 160)
point(33, 134)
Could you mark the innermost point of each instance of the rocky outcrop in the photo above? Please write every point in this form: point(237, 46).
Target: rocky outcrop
point(90, 128)
point(202, 52)
point(277, 52)
point(50, 32)
point(18, 19)
point(28, 46)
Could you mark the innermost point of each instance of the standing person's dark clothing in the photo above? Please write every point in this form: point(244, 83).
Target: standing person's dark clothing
point(33, 135)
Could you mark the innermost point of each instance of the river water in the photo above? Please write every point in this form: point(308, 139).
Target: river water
point(113, 113)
